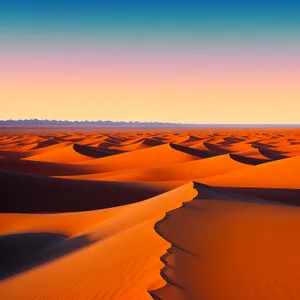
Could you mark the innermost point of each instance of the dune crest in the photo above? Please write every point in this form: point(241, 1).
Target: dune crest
point(240, 261)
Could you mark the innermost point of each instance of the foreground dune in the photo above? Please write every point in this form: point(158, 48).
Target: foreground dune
point(124, 245)
point(44, 194)
point(207, 214)
point(249, 249)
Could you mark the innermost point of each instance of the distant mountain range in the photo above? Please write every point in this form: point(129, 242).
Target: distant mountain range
point(37, 122)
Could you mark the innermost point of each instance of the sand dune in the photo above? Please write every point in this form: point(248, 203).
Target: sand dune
point(158, 214)
point(158, 155)
point(250, 261)
point(190, 170)
point(284, 173)
point(94, 152)
point(130, 147)
point(44, 194)
point(251, 153)
point(23, 147)
point(135, 267)
point(137, 144)
point(270, 153)
point(61, 155)
point(93, 140)
point(29, 150)
point(44, 168)
point(249, 160)
point(47, 143)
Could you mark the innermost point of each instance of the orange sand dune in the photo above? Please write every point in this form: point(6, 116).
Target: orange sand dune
point(71, 224)
point(292, 154)
point(19, 147)
point(175, 172)
point(247, 249)
point(139, 144)
point(92, 140)
point(26, 151)
point(192, 139)
point(198, 145)
point(284, 173)
point(17, 154)
point(288, 149)
point(44, 194)
point(105, 145)
point(215, 148)
point(46, 147)
point(28, 146)
point(130, 141)
point(86, 273)
point(158, 155)
point(181, 139)
point(47, 143)
point(44, 168)
point(61, 155)
point(271, 153)
point(130, 147)
point(251, 153)
point(94, 152)
point(74, 138)
point(248, 159)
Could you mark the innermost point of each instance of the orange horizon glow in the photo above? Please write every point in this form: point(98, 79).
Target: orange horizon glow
point(197, 87)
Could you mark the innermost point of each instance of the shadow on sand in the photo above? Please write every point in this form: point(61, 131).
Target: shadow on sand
point(193, 151)
point(286, 196)
point(26, 193)
point(95, 152)
point(248, 160)
point(21, 252)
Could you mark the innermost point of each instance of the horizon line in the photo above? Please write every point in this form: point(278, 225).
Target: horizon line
point(109, 122)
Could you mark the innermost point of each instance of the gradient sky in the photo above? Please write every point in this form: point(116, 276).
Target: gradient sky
point(175, 61)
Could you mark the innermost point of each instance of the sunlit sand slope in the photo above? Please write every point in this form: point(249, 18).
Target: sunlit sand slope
point(116, 258)
point(228, 246)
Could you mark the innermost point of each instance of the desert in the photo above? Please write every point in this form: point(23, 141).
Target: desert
point(150, 214)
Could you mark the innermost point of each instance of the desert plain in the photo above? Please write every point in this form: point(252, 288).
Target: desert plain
point(150, 214)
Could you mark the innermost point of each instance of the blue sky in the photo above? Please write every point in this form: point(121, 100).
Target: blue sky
point(56, 16)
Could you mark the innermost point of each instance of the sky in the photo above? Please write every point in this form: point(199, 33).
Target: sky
point(168, 61)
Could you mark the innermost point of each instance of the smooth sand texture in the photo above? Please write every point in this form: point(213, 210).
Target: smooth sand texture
point(284, 173)
point(190, 170)
point(65, 155)
point(192, 214)
point(242, 249)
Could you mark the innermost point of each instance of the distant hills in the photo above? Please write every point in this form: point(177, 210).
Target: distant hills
point(37, 122)
point(55, 123)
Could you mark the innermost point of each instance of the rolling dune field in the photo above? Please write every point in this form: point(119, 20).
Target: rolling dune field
point(150, 214)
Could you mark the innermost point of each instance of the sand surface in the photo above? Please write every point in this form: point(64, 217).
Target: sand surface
point(192, 214)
